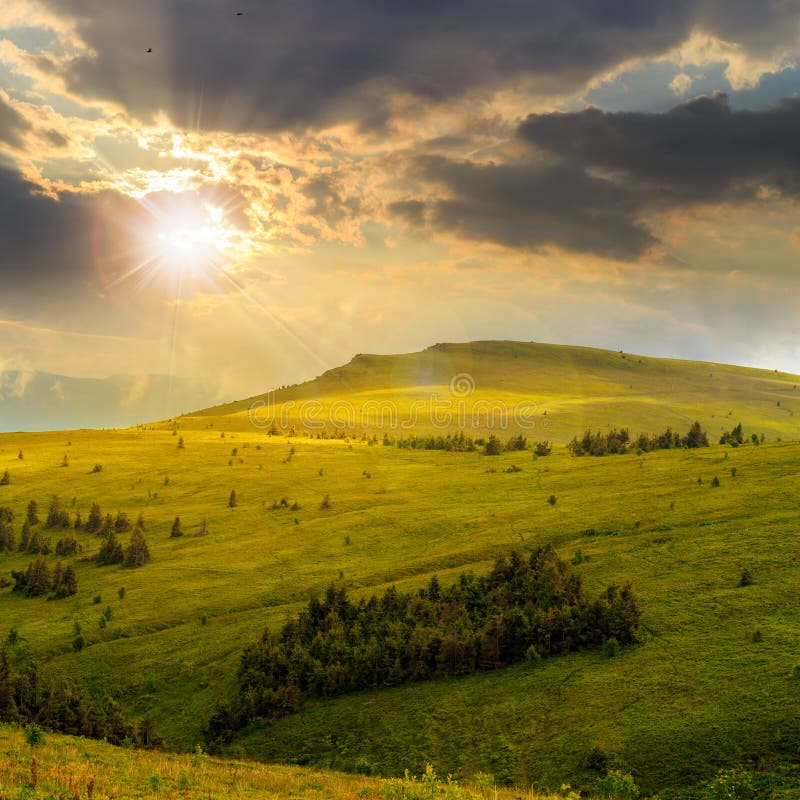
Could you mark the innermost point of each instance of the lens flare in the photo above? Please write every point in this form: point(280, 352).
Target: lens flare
point(191, 241)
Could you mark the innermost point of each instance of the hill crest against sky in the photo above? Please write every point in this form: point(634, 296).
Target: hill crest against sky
point(559, 389)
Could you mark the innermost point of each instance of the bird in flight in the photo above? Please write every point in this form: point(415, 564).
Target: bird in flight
point(149, 50)
point(240, 13)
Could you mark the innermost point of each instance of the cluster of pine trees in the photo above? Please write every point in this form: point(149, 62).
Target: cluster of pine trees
point(38, 580)
point(616, 442)
point(27, 697)
point(734, 437)
point(136, 554)
point(524, 608)
point(454, 443)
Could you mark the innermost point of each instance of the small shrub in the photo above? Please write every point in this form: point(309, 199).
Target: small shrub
point(732, 784)
point(611, 648)
point(326, 502)
point(542, 448)
point(532, 656)
point(97, 468)
point(715, 482)
point(552, 500)
point(33, 735)
point(363, 767)
point(97, 600)
point(746, 578)
point(579, 557)
point(617, 785)
point(756, 636)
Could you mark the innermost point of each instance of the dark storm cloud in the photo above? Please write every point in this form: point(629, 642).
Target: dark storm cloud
point(12, 124)
point(529, 206)
point(699, 151)
point(46, 243)
point(593, 178)
point(312, 62)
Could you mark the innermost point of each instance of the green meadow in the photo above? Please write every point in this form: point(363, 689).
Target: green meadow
point(711, 684)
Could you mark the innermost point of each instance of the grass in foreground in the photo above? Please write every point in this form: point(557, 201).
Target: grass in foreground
point(66, 767)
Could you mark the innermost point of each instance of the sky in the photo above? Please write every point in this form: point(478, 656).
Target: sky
point(250, 193)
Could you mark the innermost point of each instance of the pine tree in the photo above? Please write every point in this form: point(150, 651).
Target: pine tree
point(6, 537)
point(68, 584)
point(108, 525)
point(110, 551)
point(177, 531)
point(25, 537)
point(57, 515)
point(94, 522)
point(37, 581)
point(33, 512)
point(5, 479)
point(122, 524)
point(492, 446)
point(137, 553)
point(232, 500)
point(8, 706)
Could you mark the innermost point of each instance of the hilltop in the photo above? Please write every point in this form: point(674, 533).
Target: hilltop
point(547, 391)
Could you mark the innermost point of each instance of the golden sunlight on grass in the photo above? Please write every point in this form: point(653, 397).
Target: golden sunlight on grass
point(62, 766)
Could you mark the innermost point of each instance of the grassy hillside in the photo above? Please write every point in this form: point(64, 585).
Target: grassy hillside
point(550, 391)
point(697, 694)
point(203, 598)
point(78, 768)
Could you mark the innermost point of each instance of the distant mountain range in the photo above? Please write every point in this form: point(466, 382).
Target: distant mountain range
point(42, 401)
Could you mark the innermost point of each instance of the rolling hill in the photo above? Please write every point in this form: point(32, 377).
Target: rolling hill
point(712, 683)
point(544, 390)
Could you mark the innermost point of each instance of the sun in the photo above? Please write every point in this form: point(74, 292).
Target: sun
point(192, 240)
